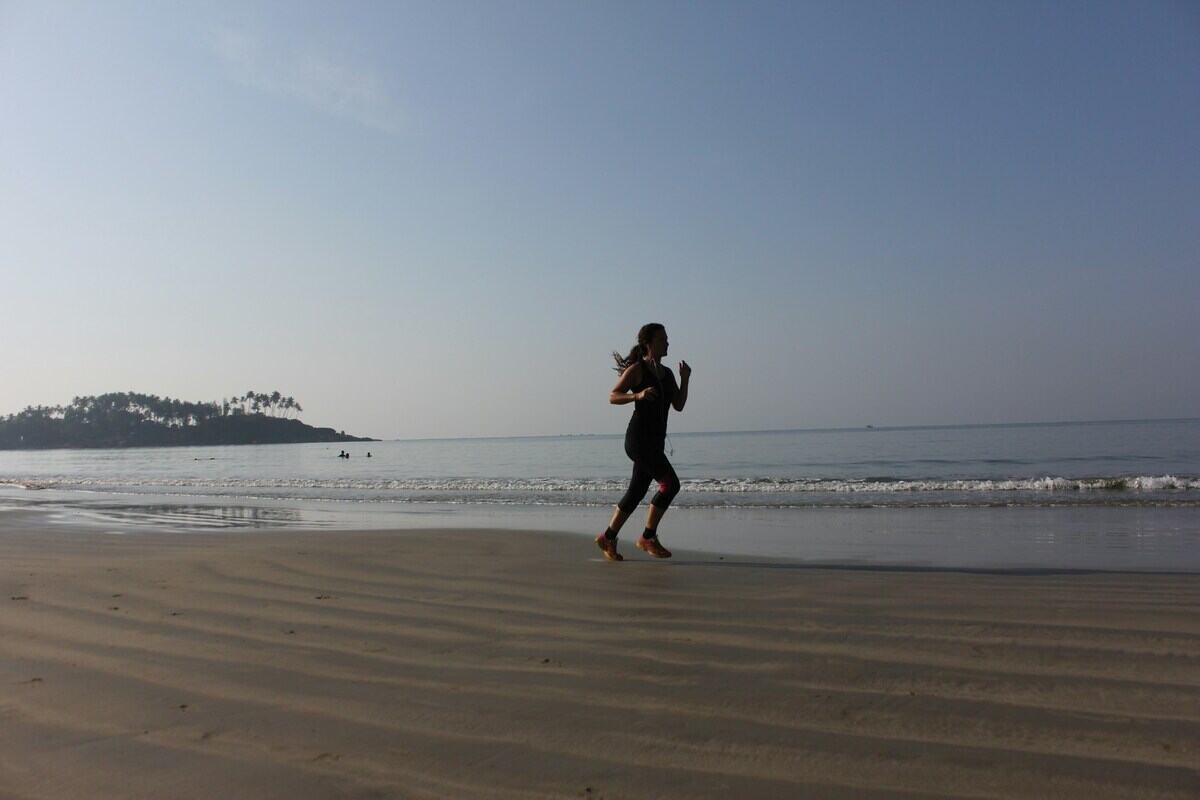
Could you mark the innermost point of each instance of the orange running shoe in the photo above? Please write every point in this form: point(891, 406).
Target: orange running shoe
point(653, 547)
point(609, 546)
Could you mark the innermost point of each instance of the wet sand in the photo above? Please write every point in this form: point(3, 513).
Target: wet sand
point(516, 665)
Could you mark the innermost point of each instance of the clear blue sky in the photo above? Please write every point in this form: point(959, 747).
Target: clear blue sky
point(437, 219)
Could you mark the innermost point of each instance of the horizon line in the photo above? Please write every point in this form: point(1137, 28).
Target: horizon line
point(843, 428)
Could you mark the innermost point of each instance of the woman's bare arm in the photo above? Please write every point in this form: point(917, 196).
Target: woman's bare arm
point(620, 394)
point(685, 374)
point(680, 399)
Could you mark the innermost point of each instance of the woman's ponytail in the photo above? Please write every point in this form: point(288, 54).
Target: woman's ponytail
point(644, 336)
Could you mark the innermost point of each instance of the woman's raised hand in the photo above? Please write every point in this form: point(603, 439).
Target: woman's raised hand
point(685, 371)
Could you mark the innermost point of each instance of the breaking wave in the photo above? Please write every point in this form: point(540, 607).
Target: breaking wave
point(1139, 483)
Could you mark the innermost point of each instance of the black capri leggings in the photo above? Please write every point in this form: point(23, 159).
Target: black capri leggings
point(649, 464)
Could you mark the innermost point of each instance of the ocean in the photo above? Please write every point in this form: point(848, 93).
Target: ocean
point(1112, 495)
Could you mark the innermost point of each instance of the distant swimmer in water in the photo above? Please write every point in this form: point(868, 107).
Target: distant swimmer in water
point(652, 389)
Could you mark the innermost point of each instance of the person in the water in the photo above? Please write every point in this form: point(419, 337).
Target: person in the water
point(652, 389)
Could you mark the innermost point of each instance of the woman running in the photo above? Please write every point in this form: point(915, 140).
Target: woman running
point(652, 389)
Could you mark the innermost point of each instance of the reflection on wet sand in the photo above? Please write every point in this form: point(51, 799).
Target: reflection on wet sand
point(175, 516)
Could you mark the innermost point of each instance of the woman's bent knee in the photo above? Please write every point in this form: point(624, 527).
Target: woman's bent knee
point(666, 493)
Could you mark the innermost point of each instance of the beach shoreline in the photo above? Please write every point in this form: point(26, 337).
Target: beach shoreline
point(1112, 539)
point(496, 663)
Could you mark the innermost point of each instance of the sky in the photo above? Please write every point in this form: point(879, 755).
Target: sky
point(439, 219)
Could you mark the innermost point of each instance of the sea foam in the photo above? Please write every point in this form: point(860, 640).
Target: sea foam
point(758, 485)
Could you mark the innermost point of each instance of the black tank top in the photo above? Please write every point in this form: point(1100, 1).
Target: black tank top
point(648, 424)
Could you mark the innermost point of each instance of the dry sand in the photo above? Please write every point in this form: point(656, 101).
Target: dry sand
point(515, 665)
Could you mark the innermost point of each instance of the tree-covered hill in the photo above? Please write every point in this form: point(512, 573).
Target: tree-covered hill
point(130, 419)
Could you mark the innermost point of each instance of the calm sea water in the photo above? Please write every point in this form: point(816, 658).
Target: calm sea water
point(1136, 480)
point(1112, 463)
